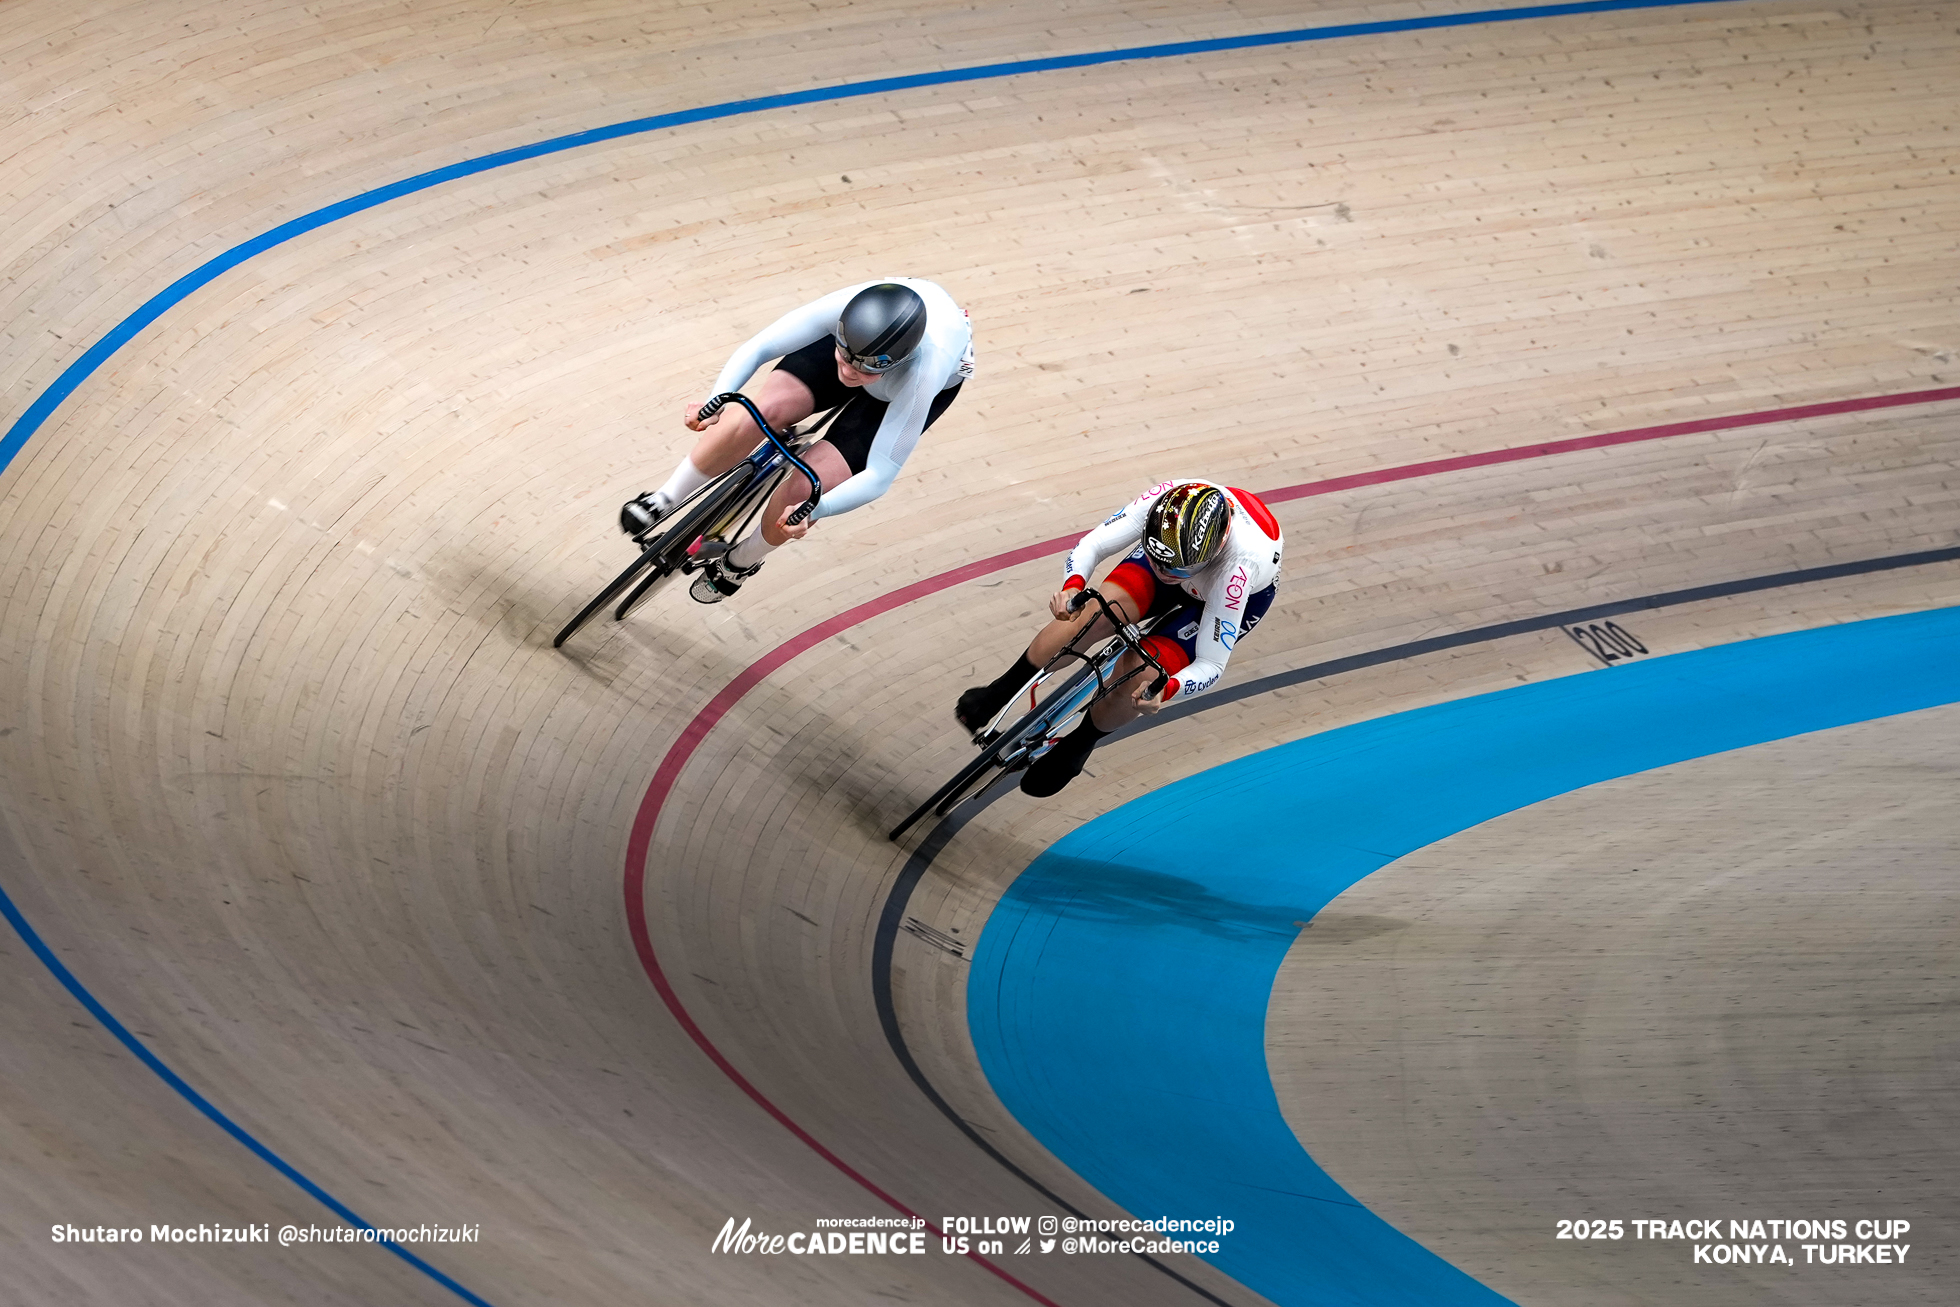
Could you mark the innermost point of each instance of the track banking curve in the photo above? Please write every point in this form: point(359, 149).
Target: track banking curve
point(669, 773)
point(697, 730)
point(1075, 1001)
point(92, 359)
point(44, 404)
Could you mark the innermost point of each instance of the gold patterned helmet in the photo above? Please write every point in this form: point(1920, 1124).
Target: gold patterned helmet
point(1186, 528)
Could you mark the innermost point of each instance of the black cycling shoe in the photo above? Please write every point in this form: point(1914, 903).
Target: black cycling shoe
point(718, 581)
point(643, 512)
point(977, 707)
point(1052, 771)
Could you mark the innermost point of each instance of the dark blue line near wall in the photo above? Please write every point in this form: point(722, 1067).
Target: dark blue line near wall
point(1549, 621)
point(1119, 989)
point(177, 291)
point(898, 898)
point(100, 352)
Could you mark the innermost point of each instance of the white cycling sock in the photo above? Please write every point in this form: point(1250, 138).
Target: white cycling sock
point(749, 552)
point(686, 480)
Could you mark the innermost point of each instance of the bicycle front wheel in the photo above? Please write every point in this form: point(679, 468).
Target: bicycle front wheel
point(1011, 749)
point(721, 501)
point(943, 799)
point(663, 572)
point(604, 597)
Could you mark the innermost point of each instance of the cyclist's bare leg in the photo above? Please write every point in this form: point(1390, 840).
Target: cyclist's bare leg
point(1084, 627)
point(726, 441)
point(832, 471)
point(1117, 710)
point(1088, 625)
point(733, 435)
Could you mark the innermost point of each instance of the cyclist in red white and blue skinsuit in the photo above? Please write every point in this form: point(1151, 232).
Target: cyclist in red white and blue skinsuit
point(1205, 554)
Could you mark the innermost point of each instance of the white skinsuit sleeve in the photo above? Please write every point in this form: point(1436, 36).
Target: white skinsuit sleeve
point(1118, 534)
point(785, 335)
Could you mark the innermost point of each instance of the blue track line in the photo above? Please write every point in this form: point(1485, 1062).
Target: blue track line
point(173, 294)
point(92, 359)
point(204, 1105)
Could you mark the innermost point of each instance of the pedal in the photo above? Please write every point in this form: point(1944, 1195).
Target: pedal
point(703, 552)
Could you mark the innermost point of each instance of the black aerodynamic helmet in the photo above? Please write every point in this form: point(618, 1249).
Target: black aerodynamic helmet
point(881, 326)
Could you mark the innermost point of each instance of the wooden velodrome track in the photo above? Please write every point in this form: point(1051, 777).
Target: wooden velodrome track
point(298, 792)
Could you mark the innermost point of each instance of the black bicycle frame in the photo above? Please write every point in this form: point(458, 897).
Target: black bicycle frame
point(662, 545)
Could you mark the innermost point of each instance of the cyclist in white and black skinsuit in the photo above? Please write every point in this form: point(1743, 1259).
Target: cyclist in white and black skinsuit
point(1207, 555)
point(895, 352)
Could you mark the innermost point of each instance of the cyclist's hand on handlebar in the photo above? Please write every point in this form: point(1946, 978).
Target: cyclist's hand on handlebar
point(1147, 702)
point(691, 416)
point(793, 530)
point(1062, 606)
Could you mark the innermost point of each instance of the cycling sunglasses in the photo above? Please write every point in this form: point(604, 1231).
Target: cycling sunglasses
point(868, 362)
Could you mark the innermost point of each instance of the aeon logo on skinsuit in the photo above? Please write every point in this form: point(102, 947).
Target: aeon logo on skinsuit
point(1143, 500)
point(1235, 587)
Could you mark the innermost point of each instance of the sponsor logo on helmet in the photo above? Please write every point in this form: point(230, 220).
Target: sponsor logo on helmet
point(1208, 509)
point(1160, 551)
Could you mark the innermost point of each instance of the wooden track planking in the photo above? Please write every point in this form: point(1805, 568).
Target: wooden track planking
point(1507, 560)
point(448, 395)
point(1772, 925)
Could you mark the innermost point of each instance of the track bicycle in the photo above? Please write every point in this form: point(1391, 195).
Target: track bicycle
point(1029, 725)
point(705, 524)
